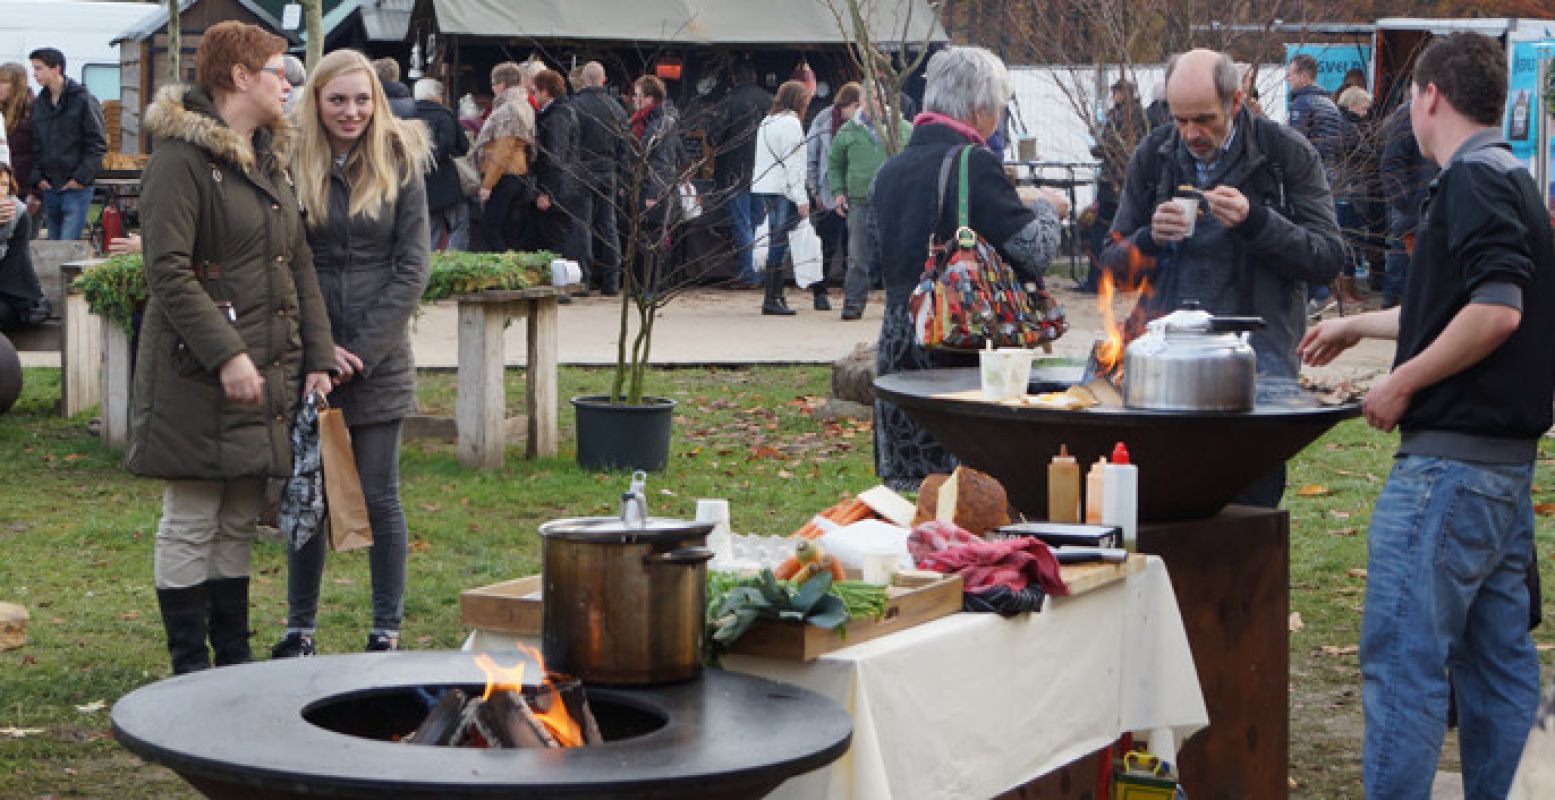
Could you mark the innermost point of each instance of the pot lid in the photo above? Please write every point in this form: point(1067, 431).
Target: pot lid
point(611, 530)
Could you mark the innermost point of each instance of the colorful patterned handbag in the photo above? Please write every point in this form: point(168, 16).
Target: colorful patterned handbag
point(968, 297)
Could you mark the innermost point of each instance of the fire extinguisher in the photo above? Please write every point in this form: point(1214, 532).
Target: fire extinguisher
point(112, 223)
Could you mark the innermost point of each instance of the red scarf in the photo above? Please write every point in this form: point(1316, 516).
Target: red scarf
point(640, 120)
point(935, 118)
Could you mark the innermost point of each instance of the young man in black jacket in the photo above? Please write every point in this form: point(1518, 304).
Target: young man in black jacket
point(602, 150)
point(1451, 538)
point(71, 142)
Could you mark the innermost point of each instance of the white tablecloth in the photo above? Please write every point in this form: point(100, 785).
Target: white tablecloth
point(972, 705)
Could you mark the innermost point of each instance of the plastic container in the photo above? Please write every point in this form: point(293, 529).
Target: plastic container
point(1063, 487)
point(1120, 495)
point(1093, 492)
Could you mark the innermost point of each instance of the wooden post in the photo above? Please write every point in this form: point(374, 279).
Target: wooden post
point(479, 411)
point(116, 386)
point(540, 396)
point(80, 352)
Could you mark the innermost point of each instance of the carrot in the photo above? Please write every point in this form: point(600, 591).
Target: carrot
point(837, 572)
point(787, 569)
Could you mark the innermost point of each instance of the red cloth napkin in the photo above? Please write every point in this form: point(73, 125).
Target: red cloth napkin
point(1015, 563)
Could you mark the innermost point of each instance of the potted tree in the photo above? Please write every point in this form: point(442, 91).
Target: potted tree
point(661, 213)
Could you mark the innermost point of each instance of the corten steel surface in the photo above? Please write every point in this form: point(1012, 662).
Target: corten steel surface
point(1231, 575)
point(1191, 463)
point(241, 732)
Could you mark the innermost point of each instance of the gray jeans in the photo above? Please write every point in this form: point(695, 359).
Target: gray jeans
point(377, 451)
point(207, 531)
point(855, 285)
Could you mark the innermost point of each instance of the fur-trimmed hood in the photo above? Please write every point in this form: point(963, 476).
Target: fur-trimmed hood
point(188, 113)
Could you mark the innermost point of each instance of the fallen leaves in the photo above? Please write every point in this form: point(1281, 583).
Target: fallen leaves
point(1357, 572)
point(1345, 532)
point(130, 616)
point(1295, 622)
point(1340, 650)
point(1313, 490)
point(92, 707)
point(1544, 509)
point(20, 733)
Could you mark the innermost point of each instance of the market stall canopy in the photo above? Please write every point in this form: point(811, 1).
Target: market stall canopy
point(683, 21)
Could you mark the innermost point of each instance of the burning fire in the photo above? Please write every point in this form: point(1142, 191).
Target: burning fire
point(1109, 351)
point(548, 706)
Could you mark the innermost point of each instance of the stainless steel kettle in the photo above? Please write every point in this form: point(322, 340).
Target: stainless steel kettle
point(1191, 360)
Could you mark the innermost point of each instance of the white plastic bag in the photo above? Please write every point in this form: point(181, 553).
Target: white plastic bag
point(849, 544)
point(804, 247)
point(759, 246)
point(690, 203)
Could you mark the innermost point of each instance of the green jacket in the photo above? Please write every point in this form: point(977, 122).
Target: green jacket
point(855, 158)
point(221, 230)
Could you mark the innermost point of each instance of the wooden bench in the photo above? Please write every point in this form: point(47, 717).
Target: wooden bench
point(480, 410)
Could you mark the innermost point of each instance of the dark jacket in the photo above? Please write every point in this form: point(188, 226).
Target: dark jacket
point(1406, 173)
point(1360, 151)
point(1314, 115)
point(733, 135)
point(660, 149)
point(71, 139)
point(1158, 114)
point(221, 231)
point(556, 166)
point(401, 102)
point(602, 133)
point(372, 272)
point(23, 146)
point(905, 199)
point(448, 142)
point(1483, 222)
point(1289, 239)
point(1115, 142)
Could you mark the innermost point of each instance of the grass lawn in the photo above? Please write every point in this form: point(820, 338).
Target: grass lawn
point(76, 539)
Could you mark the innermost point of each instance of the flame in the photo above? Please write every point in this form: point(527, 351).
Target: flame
point(562, 727)
point(1109, 352)
point(500, 678)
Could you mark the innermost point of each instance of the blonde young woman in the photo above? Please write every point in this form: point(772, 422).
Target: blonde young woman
point(359, 175)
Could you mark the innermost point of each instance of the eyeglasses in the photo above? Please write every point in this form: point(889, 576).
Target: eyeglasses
point(279, 72)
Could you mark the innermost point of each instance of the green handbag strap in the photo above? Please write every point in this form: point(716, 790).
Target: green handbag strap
point(966, 238)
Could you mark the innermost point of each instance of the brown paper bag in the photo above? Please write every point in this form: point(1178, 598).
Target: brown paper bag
point(348, 525)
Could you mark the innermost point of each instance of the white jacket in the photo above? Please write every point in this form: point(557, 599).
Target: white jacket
point(780, 158)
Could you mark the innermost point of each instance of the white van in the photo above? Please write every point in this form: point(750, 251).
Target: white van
point(81, 30)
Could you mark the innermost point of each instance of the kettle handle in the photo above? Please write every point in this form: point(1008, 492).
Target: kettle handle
point(685, 556)
point(1229, 324)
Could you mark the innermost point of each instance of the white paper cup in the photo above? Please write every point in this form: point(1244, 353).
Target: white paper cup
point(1005, 372)
point(715, 511)
point(1189, 206)
point(879, 566)
point(559, 272)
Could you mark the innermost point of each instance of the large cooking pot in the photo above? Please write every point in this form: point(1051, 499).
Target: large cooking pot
point(1191, 360)
point(625, 597)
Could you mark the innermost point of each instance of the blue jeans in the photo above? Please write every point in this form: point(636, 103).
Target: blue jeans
point(744, 216)
point(782, 218)
point(454, 221)
point(65, 212)
point(1449, 545)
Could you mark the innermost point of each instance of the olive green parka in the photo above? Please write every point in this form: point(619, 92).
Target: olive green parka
point(228, 271)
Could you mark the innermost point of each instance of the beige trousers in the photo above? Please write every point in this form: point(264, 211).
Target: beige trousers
point(207, 530)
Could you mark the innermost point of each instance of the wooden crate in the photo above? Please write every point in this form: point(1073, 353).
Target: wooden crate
point(917, 597)
point(509, 607)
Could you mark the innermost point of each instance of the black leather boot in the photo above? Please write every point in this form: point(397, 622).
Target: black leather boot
point(183, 617)
point(229, 621)
point(819, 290)
point(772, 304)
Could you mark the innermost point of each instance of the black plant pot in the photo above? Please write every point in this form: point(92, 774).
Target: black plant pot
point(10, 375)
point(618, 436)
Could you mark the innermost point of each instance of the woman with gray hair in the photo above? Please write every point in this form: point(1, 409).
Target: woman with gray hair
point(967, 90)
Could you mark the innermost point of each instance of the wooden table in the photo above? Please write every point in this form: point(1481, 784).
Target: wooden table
point(479, 412)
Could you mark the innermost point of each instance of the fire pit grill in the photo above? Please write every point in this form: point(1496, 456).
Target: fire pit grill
point(258, 731)
point(1191, 463)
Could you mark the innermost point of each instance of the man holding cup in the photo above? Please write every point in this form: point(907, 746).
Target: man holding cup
point(1254, 226)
